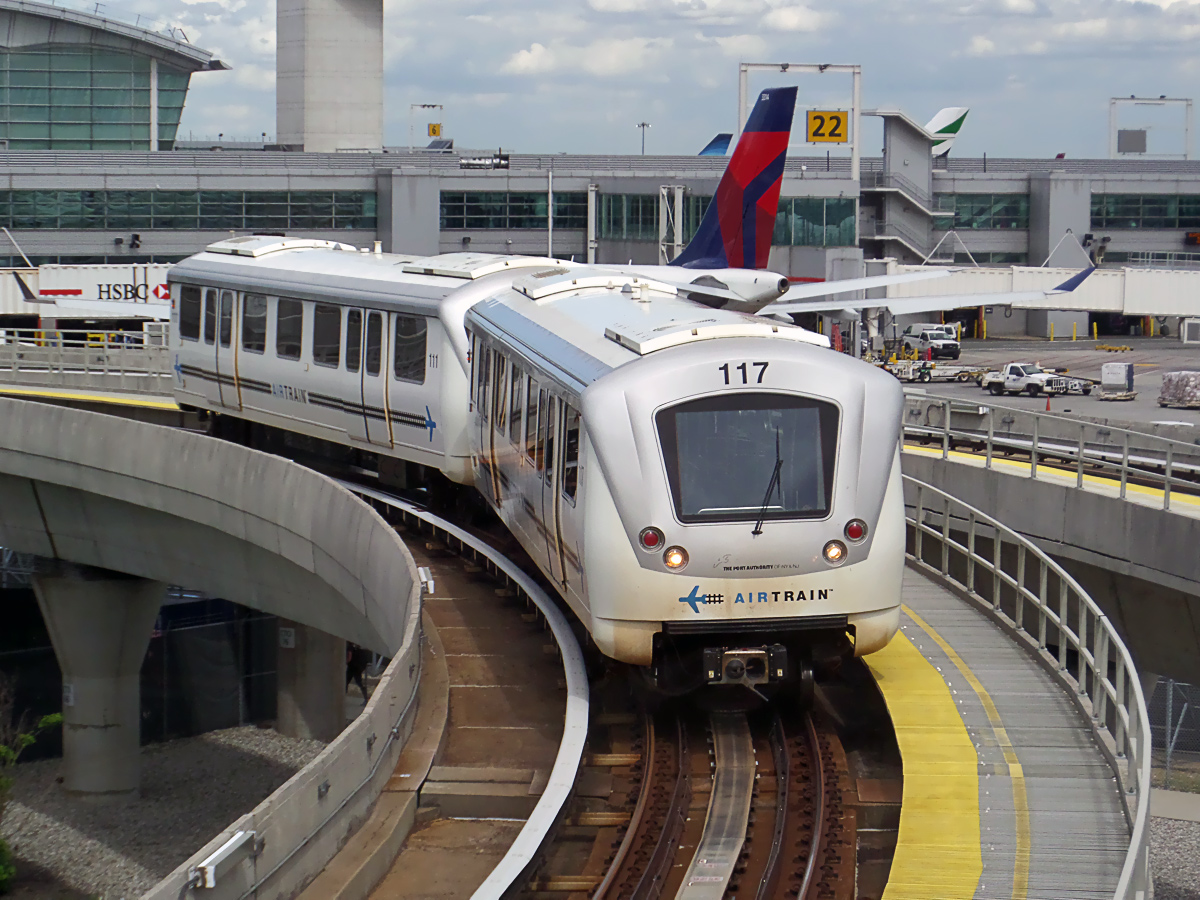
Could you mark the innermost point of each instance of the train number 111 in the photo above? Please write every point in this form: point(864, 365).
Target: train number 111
point(744, 369)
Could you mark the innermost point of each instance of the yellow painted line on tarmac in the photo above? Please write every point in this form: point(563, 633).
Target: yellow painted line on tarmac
point(1051, 470)
point(938, 850)
point(120, 400)
point(1020, 888)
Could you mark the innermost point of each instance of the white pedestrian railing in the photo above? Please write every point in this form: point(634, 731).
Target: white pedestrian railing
point(1057, 442)
point(1045, 609)
point(130, 361)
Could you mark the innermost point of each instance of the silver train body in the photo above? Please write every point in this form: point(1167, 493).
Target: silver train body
point(709, 491)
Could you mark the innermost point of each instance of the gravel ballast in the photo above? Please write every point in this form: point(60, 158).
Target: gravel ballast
point(191, 789)
point(1175, 859)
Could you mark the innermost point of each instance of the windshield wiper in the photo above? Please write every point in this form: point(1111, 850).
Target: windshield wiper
point(771, 486)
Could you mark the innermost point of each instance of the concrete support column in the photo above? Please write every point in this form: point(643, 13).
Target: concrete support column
point(312, 683)
point(100, 624)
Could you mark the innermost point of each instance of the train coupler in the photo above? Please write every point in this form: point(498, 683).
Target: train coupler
point(745, 665)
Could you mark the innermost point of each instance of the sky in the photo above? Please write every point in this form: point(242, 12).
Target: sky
point(577, 76)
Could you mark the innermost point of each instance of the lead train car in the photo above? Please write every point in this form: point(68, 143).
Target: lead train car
point(715, 495)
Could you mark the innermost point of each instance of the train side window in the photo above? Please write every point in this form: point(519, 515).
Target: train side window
point(254, 323)
point(353, 340)
point(570, 467)
point(552, 407)
point(327, 335)
point(374, 342)
point(289, 328)
point(189, 312)
point(539, 450)
point(531, 421)
point(518, 403)
point(472, 352)
point(500, 401)
point(409, 364)
point(210, 316)
point(225, 332)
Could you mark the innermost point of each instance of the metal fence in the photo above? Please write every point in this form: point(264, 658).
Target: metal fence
point(1057, 442)
point(1046, 610)
point(1175, 720)
point(130, 361)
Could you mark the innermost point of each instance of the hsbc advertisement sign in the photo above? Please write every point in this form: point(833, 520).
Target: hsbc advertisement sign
point(112, 290)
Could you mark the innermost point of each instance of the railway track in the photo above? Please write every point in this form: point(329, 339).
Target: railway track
point(729, 805)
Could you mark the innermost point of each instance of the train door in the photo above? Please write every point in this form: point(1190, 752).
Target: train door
point(211, 377)
point(226, 354)
point(549, 415)
point(374, 383)
point(569, 526)
point(494, 435)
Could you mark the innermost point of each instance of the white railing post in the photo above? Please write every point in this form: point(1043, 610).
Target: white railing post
point(1167, 479)
point(946, 429)
point(1033, 450)
point(1124, 462)
point(1079, 469)
point(991, 435)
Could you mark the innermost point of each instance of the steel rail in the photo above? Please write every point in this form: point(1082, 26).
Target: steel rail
point(650, 884)
point(783, 780)
point(635, 818)
point(818, 842)
point(516, 864)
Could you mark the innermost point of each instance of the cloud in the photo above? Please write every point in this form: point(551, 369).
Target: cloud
point(981, 46)
point(795, 18)
point(602, 58)
point(743, 46)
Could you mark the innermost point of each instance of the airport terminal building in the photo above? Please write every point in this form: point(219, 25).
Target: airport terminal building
point(81, 97)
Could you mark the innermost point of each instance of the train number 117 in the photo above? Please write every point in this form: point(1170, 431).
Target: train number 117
point(744, 369)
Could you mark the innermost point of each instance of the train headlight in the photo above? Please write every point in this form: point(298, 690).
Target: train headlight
point(651, 539)
point(856, 530)
point(835, 553)
point(675, 558)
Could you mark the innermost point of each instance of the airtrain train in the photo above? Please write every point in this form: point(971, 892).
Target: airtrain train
point(715, 495)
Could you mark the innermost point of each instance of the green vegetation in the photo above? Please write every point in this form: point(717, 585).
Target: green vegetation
point(15, 736)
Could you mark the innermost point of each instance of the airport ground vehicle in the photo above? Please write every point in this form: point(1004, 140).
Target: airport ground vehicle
point(1017, 378)
point(937, 344)
point(715, 495)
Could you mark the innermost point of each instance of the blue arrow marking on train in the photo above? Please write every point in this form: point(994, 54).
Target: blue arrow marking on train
point(694, 599)
point(430, 424)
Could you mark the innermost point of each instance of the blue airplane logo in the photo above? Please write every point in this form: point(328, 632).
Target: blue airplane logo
point(430, 424)
point(178, 369)
point(694, 599)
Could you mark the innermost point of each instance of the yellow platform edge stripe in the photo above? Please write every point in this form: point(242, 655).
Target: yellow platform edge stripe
point(1052, 470)
point(120, 400)
point(938, 850)
point(1020, 887)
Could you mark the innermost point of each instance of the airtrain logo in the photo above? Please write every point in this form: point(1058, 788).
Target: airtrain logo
point(429, 423)
point(696, 599)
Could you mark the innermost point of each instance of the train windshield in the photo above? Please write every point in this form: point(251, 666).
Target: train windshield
point(739, 457)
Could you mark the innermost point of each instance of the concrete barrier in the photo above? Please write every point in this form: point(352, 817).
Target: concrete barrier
point(185, 509)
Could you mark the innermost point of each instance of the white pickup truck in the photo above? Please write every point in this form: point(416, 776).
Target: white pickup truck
point(1016, 378)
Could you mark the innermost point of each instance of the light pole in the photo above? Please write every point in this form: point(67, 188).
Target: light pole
point(411, 107)
point(643, 126)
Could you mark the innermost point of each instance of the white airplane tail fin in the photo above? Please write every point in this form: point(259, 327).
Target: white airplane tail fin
point(945, 126)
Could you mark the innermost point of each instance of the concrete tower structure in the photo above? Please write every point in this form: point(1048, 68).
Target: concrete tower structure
point(329, 75)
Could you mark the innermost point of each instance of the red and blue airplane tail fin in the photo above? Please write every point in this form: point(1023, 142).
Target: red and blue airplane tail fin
point(736, 229)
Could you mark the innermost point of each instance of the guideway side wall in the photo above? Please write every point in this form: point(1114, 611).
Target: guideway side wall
point(1139, 563)
point(103, 496)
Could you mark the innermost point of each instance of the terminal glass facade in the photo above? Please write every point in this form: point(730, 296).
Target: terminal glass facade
point(502, 210)
point(1166, 211)
point(188, 210)
point(984, 211)
point(815, 222)
point(81, 98)
point(634, 217)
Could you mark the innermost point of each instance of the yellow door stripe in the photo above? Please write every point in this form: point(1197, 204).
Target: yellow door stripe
point(1020, 888)
point(937, 850)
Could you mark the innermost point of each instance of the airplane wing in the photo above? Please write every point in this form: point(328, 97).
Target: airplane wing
point(899, 306)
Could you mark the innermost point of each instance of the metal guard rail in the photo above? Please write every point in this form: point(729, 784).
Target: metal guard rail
point(1121, 460)
point(1103, 681)
point(134, 361)
point(510, 874)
